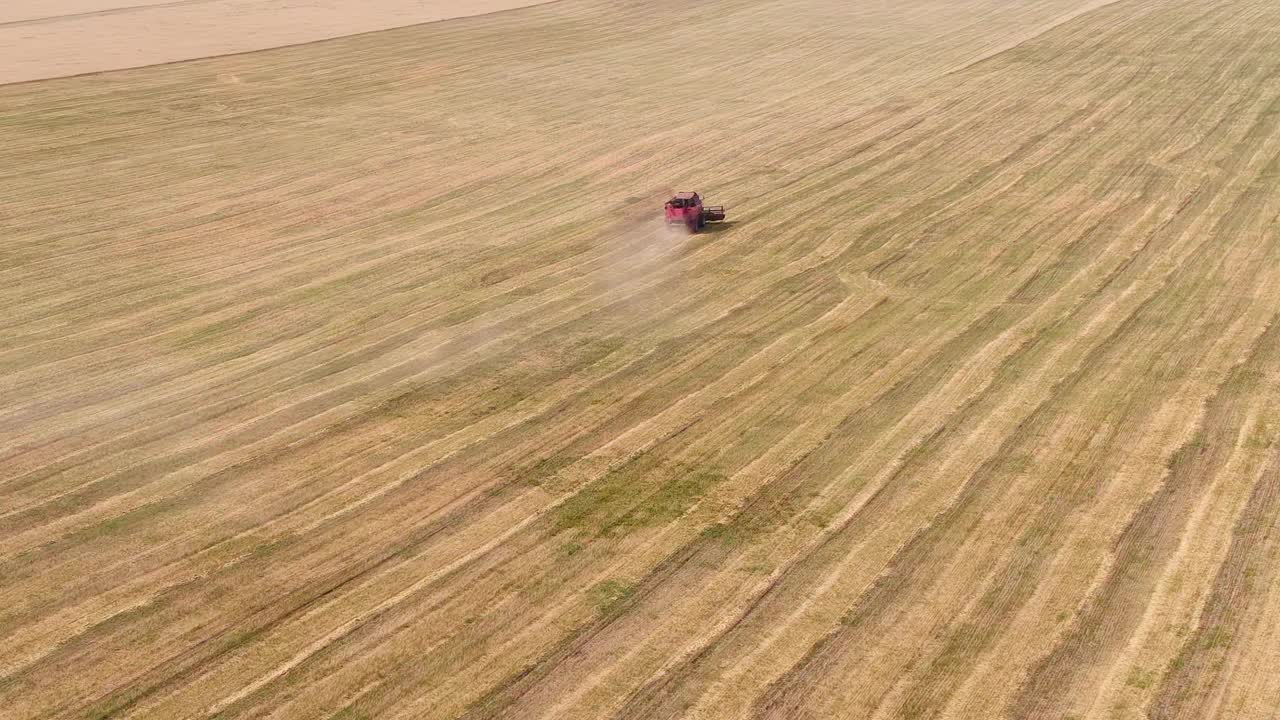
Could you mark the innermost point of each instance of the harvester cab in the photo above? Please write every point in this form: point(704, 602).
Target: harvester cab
point(686, 208)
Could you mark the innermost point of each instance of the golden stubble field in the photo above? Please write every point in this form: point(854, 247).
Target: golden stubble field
point(42, 39)
point(358, 380)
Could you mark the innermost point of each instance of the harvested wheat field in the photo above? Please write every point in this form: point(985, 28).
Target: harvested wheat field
point(38, 41)
point(360, 379)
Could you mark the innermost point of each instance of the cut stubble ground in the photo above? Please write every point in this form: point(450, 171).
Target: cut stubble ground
point(361, 379)
point(38, 42)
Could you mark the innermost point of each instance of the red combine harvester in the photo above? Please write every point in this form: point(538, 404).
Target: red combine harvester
point(686, 208)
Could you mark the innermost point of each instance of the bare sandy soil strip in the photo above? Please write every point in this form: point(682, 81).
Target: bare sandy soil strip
point(45, 40)
point(357, 380)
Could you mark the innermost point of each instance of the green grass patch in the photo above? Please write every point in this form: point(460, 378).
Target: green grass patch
point(1262, 436)
point(1217, 638)
point(1141, 679)
point(609, 597)
point(671, 500)
point(765, 516)
point(535, 473)
point(644, 492)
point(118, 523)
point(217, 330)
point(270, 548)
